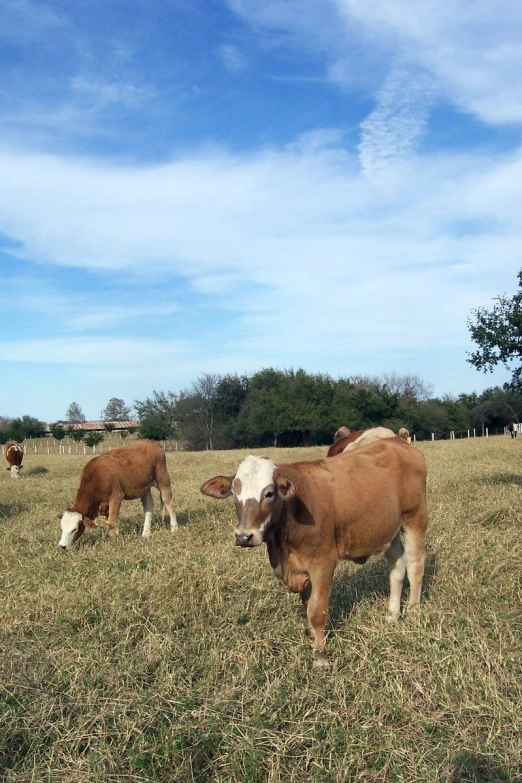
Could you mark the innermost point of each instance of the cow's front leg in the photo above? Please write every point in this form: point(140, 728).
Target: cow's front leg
point(316, 611)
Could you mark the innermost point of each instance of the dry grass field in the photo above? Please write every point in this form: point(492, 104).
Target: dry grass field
point(182, 659)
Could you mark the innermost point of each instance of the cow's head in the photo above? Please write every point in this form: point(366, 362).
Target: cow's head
point(15, 471)
point(72, 524)
point(258, 489)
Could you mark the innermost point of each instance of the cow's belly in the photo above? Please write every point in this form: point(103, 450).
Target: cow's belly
point(359, 542)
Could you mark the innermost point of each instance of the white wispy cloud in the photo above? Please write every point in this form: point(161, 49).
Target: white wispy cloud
point(389, 135)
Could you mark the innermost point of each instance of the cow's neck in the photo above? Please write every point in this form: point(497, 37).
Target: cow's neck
point(86, 507)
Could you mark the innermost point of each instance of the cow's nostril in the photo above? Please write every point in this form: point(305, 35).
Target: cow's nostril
point(244, 539)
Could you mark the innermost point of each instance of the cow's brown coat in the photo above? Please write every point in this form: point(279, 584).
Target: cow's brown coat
point(347, 507)
point(126, 473)
point(14, 455)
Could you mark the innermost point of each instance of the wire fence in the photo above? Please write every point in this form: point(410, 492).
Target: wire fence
point(49, 445)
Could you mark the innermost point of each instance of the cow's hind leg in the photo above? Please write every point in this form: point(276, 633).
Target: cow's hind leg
point(148, 506)
point(397, 567)
point(165, 488)
point(415, 559)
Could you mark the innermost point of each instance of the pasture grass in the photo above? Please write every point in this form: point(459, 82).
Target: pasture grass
point(181, 659)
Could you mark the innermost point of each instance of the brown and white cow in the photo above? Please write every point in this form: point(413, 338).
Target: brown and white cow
point(358, 438)
point(313, 514)
point(14, 454)
point(108, 479)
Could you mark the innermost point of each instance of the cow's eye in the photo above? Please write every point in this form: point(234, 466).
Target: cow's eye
point(269, 494)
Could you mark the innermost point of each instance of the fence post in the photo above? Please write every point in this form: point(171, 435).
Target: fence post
point(487, 433)
point(433, 436)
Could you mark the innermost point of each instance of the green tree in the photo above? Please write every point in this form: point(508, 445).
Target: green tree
point(57, 431)
point(109, 427)
point(497, 407)
point(266, 413)
point(426, 417)
point(498, 334)
point(4, 437)
point(458, 415)
point(74, 413)
point(92, 439)
point(116, 410)
point(77, 435)
point(25, 427)
point(157, 415)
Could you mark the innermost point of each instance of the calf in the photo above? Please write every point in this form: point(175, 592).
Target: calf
point(14, 454)
point(313, 514)
point(123, 474)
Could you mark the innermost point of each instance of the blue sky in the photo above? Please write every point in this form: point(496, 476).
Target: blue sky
point(217, 186)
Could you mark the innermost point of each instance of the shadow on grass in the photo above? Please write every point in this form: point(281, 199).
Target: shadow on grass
point(371, 580)
point(38, 470)
point(473, 768)
point(9, 509)
point(501, 478)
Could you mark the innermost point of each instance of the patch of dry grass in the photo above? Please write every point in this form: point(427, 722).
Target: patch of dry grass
point(182, 659)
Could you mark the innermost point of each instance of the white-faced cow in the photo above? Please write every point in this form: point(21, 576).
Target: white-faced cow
point(123, 474)
point(358, 438)
point(313, 514)
point(14, 455)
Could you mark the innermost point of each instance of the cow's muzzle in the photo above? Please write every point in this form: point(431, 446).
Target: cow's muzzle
point(245, 539)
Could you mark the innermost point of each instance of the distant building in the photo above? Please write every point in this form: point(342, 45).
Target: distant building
point(94, 426)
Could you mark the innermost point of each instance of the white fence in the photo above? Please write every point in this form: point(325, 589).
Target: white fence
point(69, 446)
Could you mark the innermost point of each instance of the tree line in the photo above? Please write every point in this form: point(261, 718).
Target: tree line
point(288, 408)
point(296, 408)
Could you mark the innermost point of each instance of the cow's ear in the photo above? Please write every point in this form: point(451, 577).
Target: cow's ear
point(286, 489)
point(218, 487)
point(89, 522)
point(59, 516)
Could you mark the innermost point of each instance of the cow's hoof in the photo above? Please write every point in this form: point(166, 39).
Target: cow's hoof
point(413, 614)
point(145, 535)
point(320, 661)
point(390, 618)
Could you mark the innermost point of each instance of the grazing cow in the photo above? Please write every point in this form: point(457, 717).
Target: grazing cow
point(358, 438)
point(123, 474)
point(313, 514)
point(342, 432)
point(14, 454)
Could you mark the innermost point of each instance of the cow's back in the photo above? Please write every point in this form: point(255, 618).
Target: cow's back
point(357, 499)
point(132, 469)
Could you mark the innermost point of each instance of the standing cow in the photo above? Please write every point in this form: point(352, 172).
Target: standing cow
point(313, 514)
point(14, 455)
point(108, 479)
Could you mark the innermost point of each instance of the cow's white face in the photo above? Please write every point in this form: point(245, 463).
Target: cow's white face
point(254, 492)
point(72, 527)
point(15, 471)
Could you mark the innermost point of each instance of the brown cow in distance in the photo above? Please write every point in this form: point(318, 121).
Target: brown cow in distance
point(313, 514)
point(108, 479)
point(14, 455)
point(344, 440)
point(358, 438)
